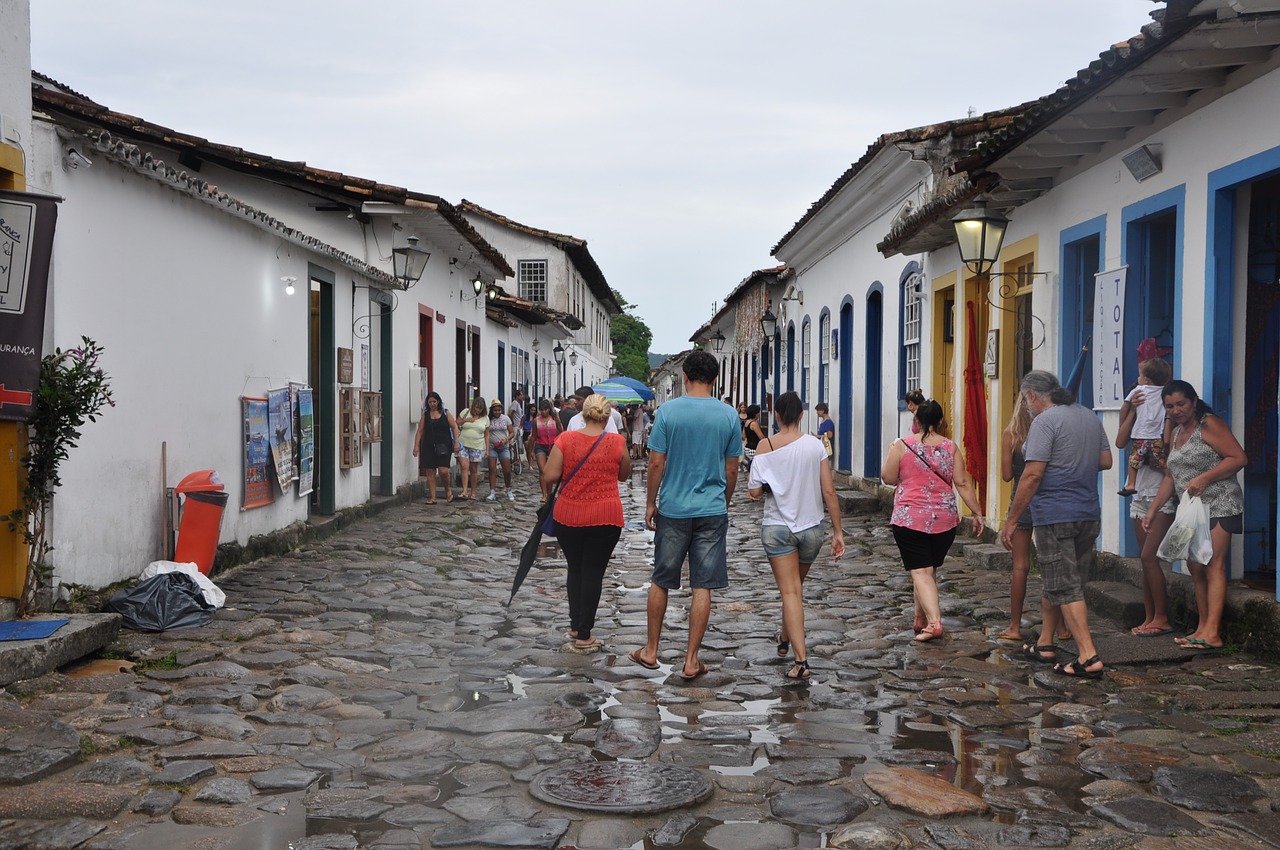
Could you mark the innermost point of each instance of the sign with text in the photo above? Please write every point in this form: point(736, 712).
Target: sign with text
point(26, 243)
point(1108, 337)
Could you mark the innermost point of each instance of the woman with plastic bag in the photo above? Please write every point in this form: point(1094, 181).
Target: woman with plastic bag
point(1204, 457)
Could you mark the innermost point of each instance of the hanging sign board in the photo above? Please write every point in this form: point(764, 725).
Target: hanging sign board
point(26, 243)
point(1108, 338)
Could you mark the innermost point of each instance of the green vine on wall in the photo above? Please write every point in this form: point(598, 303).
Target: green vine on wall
point(73, 390)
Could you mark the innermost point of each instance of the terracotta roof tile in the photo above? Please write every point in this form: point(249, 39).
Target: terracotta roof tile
point(79, 112)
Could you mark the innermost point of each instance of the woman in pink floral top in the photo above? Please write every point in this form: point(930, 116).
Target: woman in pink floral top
point(928, 470)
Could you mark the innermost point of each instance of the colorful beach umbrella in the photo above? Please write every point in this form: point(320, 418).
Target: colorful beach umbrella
point(619, 393)
point(639, 386)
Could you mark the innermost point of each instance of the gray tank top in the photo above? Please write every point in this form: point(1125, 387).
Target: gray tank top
point(1196, 457)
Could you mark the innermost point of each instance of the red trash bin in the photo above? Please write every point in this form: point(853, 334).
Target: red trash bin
point(201, 518)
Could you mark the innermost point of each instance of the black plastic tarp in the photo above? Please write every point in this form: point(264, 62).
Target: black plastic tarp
point(168, 601)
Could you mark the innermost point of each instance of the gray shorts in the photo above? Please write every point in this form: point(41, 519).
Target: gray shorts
point(1066, 552)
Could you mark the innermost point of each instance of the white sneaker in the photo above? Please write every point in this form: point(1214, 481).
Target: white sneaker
point(511, 495)
point(493, 496)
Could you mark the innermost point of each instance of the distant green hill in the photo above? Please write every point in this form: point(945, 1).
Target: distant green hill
point(655, 360)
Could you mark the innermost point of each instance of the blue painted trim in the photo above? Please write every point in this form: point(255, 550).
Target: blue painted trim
point(1070, 329)
point(825, 342)
point(791, 356)
point(1219, 272)
point(871, 441)
point(907, 271)
point(1130, 217)
point(845, 423)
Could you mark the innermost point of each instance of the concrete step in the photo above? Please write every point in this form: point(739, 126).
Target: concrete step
point(858, 503)
point(1119, 602)
point(991, 556)
point(84, 635)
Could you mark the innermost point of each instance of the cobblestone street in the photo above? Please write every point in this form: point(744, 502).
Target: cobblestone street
point(372, 690)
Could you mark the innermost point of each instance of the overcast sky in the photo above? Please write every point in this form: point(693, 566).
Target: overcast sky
point(681, 138)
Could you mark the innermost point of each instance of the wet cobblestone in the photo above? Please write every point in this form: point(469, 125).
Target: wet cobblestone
point(372, 690)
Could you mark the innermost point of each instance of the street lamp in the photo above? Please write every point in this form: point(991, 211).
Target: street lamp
point(409, 262)
point(717, 341)
point(979, 234)
point(558, 353)
point(769, 323)
point(573, 357)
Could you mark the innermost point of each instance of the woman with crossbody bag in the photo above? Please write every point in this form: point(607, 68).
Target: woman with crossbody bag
point(928, 471)
point(588, 510)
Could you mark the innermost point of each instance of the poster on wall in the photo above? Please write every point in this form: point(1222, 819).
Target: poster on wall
point(257, 454)
point(1108, 336)
point(27, 224)
point(306, 442)
point(280, 418)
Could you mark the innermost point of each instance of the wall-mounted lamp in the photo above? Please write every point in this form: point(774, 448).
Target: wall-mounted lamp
point(717, 341)
point(288, 282)
point(557, 353)
point(409, 262)
point(573, 356)
point(979, 234)
point(769, 323)
point(536, 344)
point(1142, 163)
point(478, 287)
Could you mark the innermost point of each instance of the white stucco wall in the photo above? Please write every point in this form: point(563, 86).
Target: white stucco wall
point(835, 259)
point(187, 301)
point(1191, 147)
point(15, 74)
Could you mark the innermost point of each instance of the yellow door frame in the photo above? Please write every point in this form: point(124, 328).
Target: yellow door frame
point(13, 439)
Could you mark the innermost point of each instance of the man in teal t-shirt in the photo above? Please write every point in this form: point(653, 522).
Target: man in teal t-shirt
point(693, 468)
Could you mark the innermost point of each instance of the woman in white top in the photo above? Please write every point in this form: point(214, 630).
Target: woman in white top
point(791, 472)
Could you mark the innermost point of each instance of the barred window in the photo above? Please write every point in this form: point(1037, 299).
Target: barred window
point(533, 280)
point(805, 333)
point(912, 312)
point(824, 357)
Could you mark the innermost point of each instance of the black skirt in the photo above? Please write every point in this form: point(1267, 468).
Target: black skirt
point(436, 450)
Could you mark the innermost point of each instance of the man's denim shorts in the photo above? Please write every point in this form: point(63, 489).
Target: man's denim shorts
point(779, 540)
point(702, 540)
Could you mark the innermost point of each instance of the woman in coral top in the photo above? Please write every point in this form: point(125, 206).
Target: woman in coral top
point(588, 510)
point(928, 470)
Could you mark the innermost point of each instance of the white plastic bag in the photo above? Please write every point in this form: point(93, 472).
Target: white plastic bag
point(1188, 538)
point(210, 591)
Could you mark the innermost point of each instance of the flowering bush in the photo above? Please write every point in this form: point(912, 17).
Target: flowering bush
point(73, 390)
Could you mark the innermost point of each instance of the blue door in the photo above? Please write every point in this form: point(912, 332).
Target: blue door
point(502, 374)
point(791, 358)
point(871, 442)
point(844, 453)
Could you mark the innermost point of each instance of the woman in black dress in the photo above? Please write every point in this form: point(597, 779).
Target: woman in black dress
point(434, 445)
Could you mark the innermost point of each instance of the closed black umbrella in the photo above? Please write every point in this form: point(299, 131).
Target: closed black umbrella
point(529, 553)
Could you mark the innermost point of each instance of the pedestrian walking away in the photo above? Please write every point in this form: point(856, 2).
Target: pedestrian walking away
point(1065, 449)
point(694, 449)
point(1012, 464)
point(588, 510)
point(792, 475)
point(927, 470)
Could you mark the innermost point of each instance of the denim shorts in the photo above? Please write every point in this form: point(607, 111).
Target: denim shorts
point(473, 455)
point(502, 452)
point(540, 449)
point(778, 540)
point(702, 540)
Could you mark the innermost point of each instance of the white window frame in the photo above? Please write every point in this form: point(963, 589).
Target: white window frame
point(824, 358)
point(531, 287)
point(912, 328)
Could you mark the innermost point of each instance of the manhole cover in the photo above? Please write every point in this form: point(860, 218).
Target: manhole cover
point(620, 787)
